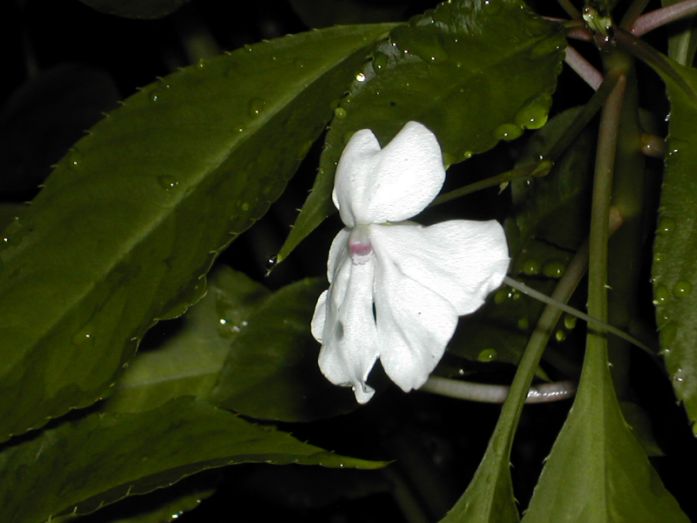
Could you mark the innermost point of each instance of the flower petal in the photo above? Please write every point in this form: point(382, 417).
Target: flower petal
point(388, 185)
point(345, 325)
point(414, 324)
point(460, 260)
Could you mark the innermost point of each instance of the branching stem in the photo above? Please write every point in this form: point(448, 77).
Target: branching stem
point(583, 68)
point(664, 15)
point(488, 393)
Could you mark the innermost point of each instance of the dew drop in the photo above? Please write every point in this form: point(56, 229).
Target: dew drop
point(531, 267)
point(560, 335)
point(244, 206)
point(84, 338)
point(467, 155)
point(661, 295)
point(569, 322)
point(682, 289)
point(271, 263)
point(508, 132)
point(340, 113)
point(666, 224)
point(379, 61)
point(523, 323)
point(360, 77)
point(553, 269)
point(256, 107)
point(167, 182)
point(487, 355)
point(534, 114)
point(679, 376)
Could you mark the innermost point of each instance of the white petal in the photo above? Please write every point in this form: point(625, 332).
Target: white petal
point(460, 260)
point(337, 253)
point(392, 184)
point(349, 335)
point(414, 325)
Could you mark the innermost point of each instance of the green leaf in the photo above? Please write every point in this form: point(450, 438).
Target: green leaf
point(140, 9)
point(682, 42)
point(489, 497)
point(597, 470)
point(675, 246)
point(473, 72)
point(132, 218)
point(547, 225)
point(271, 370)
point(189, 361)
point(105, 457)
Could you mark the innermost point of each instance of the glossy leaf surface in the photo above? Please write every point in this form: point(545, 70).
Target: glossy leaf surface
point(189, 360)
point(597, 470)
point(271, 370)
point(675, 247)
point(107, 456)
point(473, 72)
point(131, 219)
point(545, 228)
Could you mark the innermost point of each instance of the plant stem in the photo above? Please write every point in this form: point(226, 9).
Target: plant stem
point(488, 393)
point(583, 68)
point(633, 12)
point(599, 232)
point(664, 15)
point(539, 169)
point(570, 9)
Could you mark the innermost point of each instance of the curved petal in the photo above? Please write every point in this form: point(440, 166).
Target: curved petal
point(460, 260)
point(392, 184)
point(348, 334)
point(414, 324)
point(337, 252)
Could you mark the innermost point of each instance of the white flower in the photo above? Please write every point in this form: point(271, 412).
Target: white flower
point(396, 287)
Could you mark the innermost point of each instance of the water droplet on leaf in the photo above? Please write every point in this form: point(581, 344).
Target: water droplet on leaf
point(661, 295)
point(666, 224)
point(340, 113)
point(682, 289)
point(553, 269)
point(84, 338)
point(167, 182)
point(256, 107)
point(508, 132)
point(487, 355)
point(531, 267)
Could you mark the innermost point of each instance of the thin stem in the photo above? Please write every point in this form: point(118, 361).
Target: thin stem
point(539, 296)
point(570, 8)
point(647, 54)
point(539, 169)
point(583, 68)
point(488, 393)
point(633, 12)
point(664, 15)
point(589, 110)
point(600, 207)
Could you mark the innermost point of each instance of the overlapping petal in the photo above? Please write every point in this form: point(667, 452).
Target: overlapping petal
point(392, 184)
point(414, 324)
point(460, 260)
point(344, 323)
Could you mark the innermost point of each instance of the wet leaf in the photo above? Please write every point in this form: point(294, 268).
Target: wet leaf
point(547, 224)
point(597, 470)
point(189, 360)
point(132, 218)
point(473, 72)
point(675, 246)
point(107, 456)
point(271, 371)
